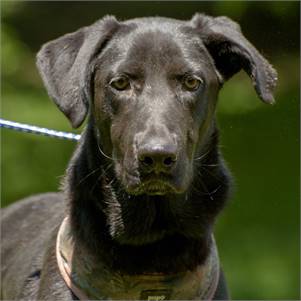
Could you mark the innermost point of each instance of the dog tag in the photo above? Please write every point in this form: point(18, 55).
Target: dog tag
point(156, 295)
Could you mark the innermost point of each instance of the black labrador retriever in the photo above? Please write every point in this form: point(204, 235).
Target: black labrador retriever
point(146, 182)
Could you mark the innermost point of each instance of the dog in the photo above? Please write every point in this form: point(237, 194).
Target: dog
point(142, 191)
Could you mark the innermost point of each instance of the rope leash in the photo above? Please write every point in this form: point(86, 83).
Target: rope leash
point(22, 127)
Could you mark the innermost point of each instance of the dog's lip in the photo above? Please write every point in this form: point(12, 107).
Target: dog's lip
point(150, 184)
point(153, 187)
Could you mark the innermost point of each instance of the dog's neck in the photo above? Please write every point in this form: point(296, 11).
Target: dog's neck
point(90, 279)
point(113, 225)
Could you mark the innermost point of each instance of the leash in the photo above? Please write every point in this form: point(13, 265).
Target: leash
point(26, 128)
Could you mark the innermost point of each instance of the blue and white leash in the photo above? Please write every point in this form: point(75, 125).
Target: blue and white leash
point(37, 130)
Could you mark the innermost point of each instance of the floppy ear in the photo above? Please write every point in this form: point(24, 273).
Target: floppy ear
point(65, 67)
point(231, 52)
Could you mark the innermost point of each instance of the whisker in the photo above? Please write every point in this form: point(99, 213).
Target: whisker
point(216, 189)
point(100, 150)
point(206, 189)
point(203, 193)
point(212, 174)
point(88, 175)
point(111, 182)
point(106, 169)
point(202, 156)
point(96, 182)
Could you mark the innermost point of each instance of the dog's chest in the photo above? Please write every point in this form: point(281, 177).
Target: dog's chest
point(90, 280)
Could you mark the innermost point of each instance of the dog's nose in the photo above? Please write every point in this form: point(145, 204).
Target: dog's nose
point(157, 157)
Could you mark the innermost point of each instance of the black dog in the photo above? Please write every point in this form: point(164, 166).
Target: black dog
point(147, 180)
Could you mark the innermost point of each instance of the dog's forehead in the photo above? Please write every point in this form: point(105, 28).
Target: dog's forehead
point(152, 49)
point(150, 45)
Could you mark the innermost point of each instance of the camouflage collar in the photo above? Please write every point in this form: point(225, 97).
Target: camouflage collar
point(90, 281)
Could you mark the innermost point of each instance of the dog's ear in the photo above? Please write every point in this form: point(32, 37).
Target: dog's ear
point(65, 67)
point(231, 52)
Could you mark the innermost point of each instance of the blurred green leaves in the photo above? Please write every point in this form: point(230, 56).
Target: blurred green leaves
point(30, 164)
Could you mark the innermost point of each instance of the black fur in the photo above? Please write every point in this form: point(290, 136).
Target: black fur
point(185, 244)
point(129, 216)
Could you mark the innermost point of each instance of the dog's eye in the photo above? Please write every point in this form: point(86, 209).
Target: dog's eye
point(192, 83)
point(121, 83)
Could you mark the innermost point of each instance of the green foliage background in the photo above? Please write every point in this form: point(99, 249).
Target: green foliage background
point(258, 233)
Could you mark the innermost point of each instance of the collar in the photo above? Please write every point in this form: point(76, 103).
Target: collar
point(90, 281)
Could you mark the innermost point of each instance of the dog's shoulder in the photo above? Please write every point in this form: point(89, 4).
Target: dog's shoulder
point(32, 205)
point(27, 217)
point(28, 229)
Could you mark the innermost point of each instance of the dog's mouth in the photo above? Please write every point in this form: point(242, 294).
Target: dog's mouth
point(152, 185)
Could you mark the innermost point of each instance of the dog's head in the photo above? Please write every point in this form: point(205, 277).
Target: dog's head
point(150, 86)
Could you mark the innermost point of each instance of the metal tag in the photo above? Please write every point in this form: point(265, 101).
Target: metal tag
point(156, 294)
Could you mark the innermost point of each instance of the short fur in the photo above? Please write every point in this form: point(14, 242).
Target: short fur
point(133, 219)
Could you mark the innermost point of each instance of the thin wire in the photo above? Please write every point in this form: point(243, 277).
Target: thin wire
point(22, 127)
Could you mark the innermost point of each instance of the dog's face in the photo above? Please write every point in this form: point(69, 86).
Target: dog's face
point(155, 93)
point(151, 87)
